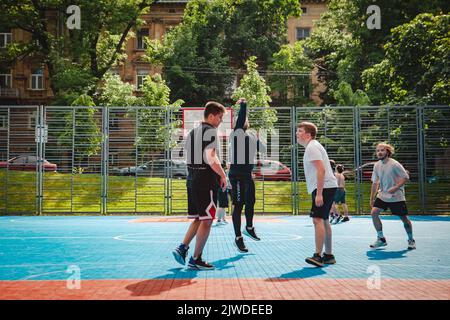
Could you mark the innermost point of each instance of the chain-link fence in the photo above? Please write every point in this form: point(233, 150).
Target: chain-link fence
point(105, 160)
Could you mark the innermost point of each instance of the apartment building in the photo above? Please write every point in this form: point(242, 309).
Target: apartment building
point(28, 83)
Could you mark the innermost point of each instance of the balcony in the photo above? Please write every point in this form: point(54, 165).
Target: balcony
point(9, 92)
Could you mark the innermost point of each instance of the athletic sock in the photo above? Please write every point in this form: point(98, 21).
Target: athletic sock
point(380, 234)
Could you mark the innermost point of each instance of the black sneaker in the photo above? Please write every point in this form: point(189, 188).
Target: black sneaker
point(239, 243)
point(316, 260)
point(199, 264)
point(328, 259)
point(179, 253)
point(251, 233)
point(346, 219)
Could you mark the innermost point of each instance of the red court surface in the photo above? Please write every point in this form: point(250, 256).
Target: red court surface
point(228, 289)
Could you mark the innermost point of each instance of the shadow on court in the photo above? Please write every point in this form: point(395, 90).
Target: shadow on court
point(176, 278)
point(305, 272)
point(385, 255)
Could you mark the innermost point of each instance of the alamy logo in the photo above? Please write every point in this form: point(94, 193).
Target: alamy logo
point(74, 20)
point(374, 20)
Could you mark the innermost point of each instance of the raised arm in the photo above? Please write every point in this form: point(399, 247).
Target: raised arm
point(241, 115)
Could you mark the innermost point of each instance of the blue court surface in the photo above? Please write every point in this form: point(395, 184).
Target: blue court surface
point(131, 247)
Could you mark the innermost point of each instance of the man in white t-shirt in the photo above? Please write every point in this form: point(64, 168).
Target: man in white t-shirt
point(321, 184)
point(388, 180)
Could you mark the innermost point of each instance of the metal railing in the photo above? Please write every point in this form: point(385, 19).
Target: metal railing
point(113, 160)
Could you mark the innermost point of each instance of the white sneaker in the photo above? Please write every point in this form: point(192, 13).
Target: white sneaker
point(378, 244)
point(411, 244)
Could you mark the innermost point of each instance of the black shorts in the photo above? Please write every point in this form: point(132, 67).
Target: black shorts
point(222, 198)
point(397, 208)
point(328, 199)
point(339, 196)
point(242, 190)
point(202, 203)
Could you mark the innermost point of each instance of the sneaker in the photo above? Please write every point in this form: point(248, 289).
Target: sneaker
point(328, 259)
point(180, 253)
point(316, 260)
point(338, 219)
point(411, 244)
point(239, 243)
point(199, 264)
point(218, 223)
point(251, 233)
point(346, 219)
point(224, 222)
point(381, 242)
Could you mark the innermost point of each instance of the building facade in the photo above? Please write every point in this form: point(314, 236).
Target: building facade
point(27, 82)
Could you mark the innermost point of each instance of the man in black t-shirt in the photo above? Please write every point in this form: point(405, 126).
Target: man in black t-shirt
point(205, 176)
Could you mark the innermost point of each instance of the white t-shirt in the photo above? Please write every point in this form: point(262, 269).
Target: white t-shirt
point(315, 151)
point(389, 174)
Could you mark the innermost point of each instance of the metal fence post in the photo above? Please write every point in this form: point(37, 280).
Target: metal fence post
point(294, 162)
point(421, 143)
point(40, 157)
point(357, 131)
point(105, 158)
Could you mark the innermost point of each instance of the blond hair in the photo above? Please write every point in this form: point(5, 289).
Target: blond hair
point(387, 146)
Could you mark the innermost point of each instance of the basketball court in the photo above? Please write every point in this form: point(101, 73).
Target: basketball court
point(130, 257)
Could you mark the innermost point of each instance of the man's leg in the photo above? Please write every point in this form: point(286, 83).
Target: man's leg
point(381, 240)
point(203, 231)
point(319, 228)
point(345, 207)
point(408, 227)
point(191, 232)
point(375, 213)
point(328, 236)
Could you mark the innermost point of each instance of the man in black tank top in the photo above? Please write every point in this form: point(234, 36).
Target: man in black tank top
point(205, 176)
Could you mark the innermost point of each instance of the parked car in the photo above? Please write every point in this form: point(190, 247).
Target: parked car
point(155, 168)
point(272, 170)
point(27, 163)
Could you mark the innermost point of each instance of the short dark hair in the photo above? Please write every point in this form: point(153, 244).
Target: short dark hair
point(340, 168)
point(213, 108)
point(309, 127)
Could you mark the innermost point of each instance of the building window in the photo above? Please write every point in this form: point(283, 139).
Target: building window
point(114, 122)
point(37, 79)
point(5, 78)
point(140, 79)
point(304, 10)
point(141, 35)
point(3, 122)
point(5, 39)
point(302, 33)
point(32, 120)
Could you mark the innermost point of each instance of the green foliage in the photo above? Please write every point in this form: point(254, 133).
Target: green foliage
point(115, 92)
point(76, 59)
point(343, 47)
point(345, 96)
point(81, 125)
point(216, 36)
point(254, 89)
point(415, 69)
point(289, 74)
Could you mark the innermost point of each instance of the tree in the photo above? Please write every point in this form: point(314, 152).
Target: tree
point(82, 55)
point(81, 126)
point(346, 97)
point(203, 55)
point(415, 69)
point(343, 47)
point(254, 89)
point(289, 74)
